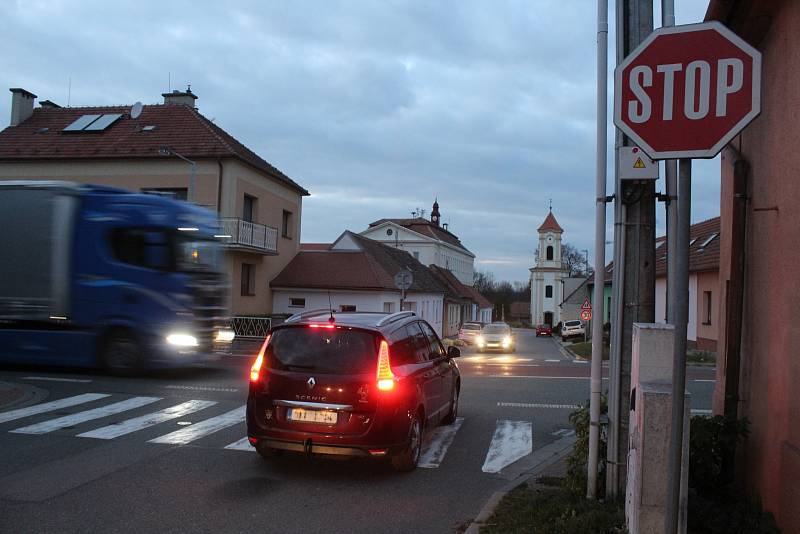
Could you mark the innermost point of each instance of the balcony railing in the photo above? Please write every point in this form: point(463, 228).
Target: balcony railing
point(249, 235)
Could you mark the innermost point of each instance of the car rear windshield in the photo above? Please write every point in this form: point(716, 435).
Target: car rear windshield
point(572, 323)
point(468, 326)
point(496, 329)
point(323, 350)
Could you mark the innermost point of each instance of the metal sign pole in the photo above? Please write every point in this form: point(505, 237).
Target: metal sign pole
point(679, 356)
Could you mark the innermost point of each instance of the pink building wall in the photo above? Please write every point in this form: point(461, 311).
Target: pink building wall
point(769, 390)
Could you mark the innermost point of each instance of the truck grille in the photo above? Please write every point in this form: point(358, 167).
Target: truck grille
point(210, 312)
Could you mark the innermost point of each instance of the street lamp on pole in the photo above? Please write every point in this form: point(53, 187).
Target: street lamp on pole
point(167, 151)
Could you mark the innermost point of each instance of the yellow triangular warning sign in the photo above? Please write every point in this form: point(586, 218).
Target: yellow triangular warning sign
point(639, 164)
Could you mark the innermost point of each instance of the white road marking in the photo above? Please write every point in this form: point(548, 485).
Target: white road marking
point(545, 377)
point(702, 412)
point(564, 432)
point(511, 441)
point(699, 380)
point(440, 440)
point(553, 361)
point(580, 361)
point(148, 420)
point(81, 417)
point(55, 379)
point(50, 406)
point(202, 388)
point(241, 445)
point(203, 428)
point(537, 405)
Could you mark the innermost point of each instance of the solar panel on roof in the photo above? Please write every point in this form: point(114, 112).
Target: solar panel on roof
point(82, 122)
point(709, 240)
point(103, 122)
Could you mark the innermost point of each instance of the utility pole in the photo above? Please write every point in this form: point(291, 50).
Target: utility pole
point(634, 267)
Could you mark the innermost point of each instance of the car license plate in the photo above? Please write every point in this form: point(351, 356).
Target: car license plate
point(493, 344)
point(327, 417)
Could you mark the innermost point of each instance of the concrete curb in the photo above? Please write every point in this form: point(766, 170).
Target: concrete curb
point(565, 352)
point(543, 459)
point(16, 395)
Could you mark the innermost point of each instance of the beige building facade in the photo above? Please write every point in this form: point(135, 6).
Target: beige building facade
point(260, 209)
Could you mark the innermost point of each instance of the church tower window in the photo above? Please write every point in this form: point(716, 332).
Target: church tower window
point(550, 252)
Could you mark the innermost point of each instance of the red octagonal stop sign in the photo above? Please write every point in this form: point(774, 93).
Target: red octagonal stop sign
point(686, 91)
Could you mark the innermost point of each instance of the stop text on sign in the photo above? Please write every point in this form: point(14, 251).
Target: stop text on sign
point(686, 91)
point(697, 90)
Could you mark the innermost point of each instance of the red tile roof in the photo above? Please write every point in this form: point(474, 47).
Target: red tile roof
point(426, 228)
point(550, 223)
point(371, 268)
point(482, 301)
point(701, 258)
point(315, 246)
point(182, 128)
point(458, 289)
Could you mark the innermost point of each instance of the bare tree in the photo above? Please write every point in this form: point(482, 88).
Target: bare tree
point(575, 260)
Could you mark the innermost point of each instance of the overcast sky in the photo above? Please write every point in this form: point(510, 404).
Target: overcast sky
point(375, 107)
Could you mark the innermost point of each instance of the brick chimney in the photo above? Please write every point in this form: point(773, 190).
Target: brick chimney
point(186, 98)
point(21, 105)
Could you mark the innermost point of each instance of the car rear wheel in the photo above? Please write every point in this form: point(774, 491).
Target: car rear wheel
point(451, 416)
point(409, 458)
point(267, 453)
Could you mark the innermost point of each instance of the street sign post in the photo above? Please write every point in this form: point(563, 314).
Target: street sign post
point(403, 280)
point(686, 91)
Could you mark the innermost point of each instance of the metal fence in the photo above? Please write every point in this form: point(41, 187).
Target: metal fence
point(251, 327)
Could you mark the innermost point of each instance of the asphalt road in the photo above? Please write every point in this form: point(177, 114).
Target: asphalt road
point(52, 479)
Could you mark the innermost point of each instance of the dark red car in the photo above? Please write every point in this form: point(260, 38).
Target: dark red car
point(544, 330)
point(351, 384)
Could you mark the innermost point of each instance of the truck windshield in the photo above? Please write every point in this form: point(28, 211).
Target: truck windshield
point(198, 255)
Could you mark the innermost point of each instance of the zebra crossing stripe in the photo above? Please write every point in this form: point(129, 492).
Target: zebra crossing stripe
point(88, 415)
point(511, 441)
point(148, 420)
point(241, 445)
point(50, 406)
point(203, 428)
point(440, 440)
point(537, 405)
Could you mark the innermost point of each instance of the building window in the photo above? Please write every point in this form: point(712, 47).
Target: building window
point(548, 292)
point(388, 307)
point(347, 308)
point(177, 193)
point(297, 303)
point(286, 228)
point(550, 252)
point(707, 307)
point(249, 208)
point(248, 280)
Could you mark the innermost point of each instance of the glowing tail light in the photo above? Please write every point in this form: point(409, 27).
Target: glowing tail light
point(385, 375)
point(255, 370)
point(328, 326)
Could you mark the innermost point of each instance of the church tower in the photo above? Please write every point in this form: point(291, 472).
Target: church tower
point(547, 288)
point(435, 216)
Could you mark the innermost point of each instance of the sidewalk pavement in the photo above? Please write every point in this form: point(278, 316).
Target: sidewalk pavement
point(16, 395)
point(550, 460)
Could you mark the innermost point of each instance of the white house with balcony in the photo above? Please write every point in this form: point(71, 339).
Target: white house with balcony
point(429, 241)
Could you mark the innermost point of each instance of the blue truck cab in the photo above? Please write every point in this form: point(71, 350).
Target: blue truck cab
point(99, 276)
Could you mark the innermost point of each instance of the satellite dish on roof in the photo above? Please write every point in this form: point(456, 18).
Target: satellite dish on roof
point(136, 110)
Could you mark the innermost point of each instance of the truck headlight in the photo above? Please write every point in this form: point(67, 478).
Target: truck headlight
point(224, 336)
point(182, 340)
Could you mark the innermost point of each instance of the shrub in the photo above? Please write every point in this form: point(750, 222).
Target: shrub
point(712, 444)
point(577, 461)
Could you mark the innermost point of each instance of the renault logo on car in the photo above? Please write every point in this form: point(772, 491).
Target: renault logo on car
point(311, 383)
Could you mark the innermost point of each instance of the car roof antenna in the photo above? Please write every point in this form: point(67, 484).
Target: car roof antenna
point(330, 308)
